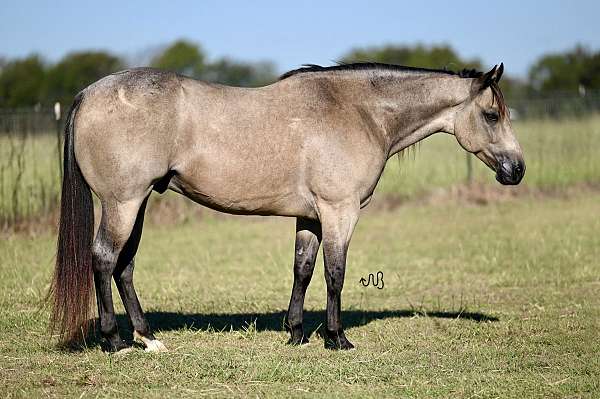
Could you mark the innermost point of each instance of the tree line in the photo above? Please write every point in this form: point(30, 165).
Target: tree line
point(30, 80)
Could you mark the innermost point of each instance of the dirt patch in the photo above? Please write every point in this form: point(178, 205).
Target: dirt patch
point(479, 194)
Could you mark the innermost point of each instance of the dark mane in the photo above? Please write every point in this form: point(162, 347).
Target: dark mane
point(361, 66)
point(377, 66)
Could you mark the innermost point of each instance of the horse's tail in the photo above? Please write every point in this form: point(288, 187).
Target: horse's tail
point(72, 285)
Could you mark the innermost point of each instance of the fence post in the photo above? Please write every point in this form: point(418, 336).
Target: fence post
point(58, 136)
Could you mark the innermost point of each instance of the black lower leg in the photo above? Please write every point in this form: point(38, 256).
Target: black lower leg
point(308, 238)
point(124, 282)
point(105, 254)
point(334, 333)
point(106, 312)
point(335, 268)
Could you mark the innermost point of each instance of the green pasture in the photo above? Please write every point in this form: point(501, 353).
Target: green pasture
point(496, 301)
point(29, 175)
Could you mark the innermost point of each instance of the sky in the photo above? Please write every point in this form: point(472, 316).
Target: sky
point(292, 33)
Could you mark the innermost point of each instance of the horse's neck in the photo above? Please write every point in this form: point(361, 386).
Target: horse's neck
point(412, 107)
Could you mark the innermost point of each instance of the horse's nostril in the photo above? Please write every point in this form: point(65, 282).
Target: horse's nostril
point(519, 168)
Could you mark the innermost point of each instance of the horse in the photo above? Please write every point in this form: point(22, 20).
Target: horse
point(312, 145)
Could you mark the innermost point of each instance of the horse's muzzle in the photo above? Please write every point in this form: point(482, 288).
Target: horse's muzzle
point(510, 171)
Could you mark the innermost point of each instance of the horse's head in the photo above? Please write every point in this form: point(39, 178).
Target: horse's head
point(482, 127)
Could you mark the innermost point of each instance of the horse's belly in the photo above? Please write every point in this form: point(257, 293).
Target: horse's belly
point(244, 195)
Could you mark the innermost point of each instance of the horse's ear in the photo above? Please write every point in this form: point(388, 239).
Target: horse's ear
point(499, 72)
point(493, 76)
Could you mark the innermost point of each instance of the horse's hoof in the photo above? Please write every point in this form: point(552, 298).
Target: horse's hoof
point(336, 340)
point(298, 341)
point(151, 344)
point(154, 345)
point(297, 335)
point(344, 346)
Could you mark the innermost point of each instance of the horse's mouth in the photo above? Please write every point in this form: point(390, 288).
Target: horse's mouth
point(490, 161)
point(509, 169)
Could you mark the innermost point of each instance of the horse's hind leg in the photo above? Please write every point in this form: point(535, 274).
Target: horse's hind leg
point(123, 276)
point(308, 239)
point(118, 219)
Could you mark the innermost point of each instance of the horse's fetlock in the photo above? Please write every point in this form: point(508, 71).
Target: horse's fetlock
point(108, 329)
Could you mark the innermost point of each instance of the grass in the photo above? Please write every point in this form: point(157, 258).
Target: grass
point(29, 175)
point(493, 301)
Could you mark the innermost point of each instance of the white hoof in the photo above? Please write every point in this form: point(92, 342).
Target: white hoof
point(152, 345)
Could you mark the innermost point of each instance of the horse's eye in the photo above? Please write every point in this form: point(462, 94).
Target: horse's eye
point(491, 116)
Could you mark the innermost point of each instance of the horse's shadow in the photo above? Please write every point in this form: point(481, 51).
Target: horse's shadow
point(274, 321)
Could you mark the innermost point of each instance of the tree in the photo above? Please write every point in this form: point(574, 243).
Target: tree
point(568, 71)
point(436, 56)
point(182, 57)
point(226, 71)
point(21, 82)
point(76, 71)
point(590, 78)
point(559, 71)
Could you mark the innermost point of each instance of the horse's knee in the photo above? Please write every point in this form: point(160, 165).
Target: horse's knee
point(104, 257)
point(304, 259)
point(304, 267)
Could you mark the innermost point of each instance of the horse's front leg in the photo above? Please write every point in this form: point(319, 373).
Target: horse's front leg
point(338, 222)
point(308, 239)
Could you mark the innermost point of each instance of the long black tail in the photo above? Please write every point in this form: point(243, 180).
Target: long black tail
point(72, 285)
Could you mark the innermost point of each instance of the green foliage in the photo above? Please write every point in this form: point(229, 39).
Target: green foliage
point(188, 59)
point(436, 57)
point(566, 71)
point(21, 82)
point(230, 72)
point(183, 57)
point(76, 71)
point(513, 88)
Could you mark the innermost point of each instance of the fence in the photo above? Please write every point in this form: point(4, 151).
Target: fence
point(556, 105)
point(30, 163)
point(31, 141)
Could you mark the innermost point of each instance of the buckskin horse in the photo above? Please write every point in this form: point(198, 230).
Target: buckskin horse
point(312, 145)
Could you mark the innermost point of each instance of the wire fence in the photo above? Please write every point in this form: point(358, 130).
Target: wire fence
point(30, 163)
point(556, 105)
point(31, 151)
